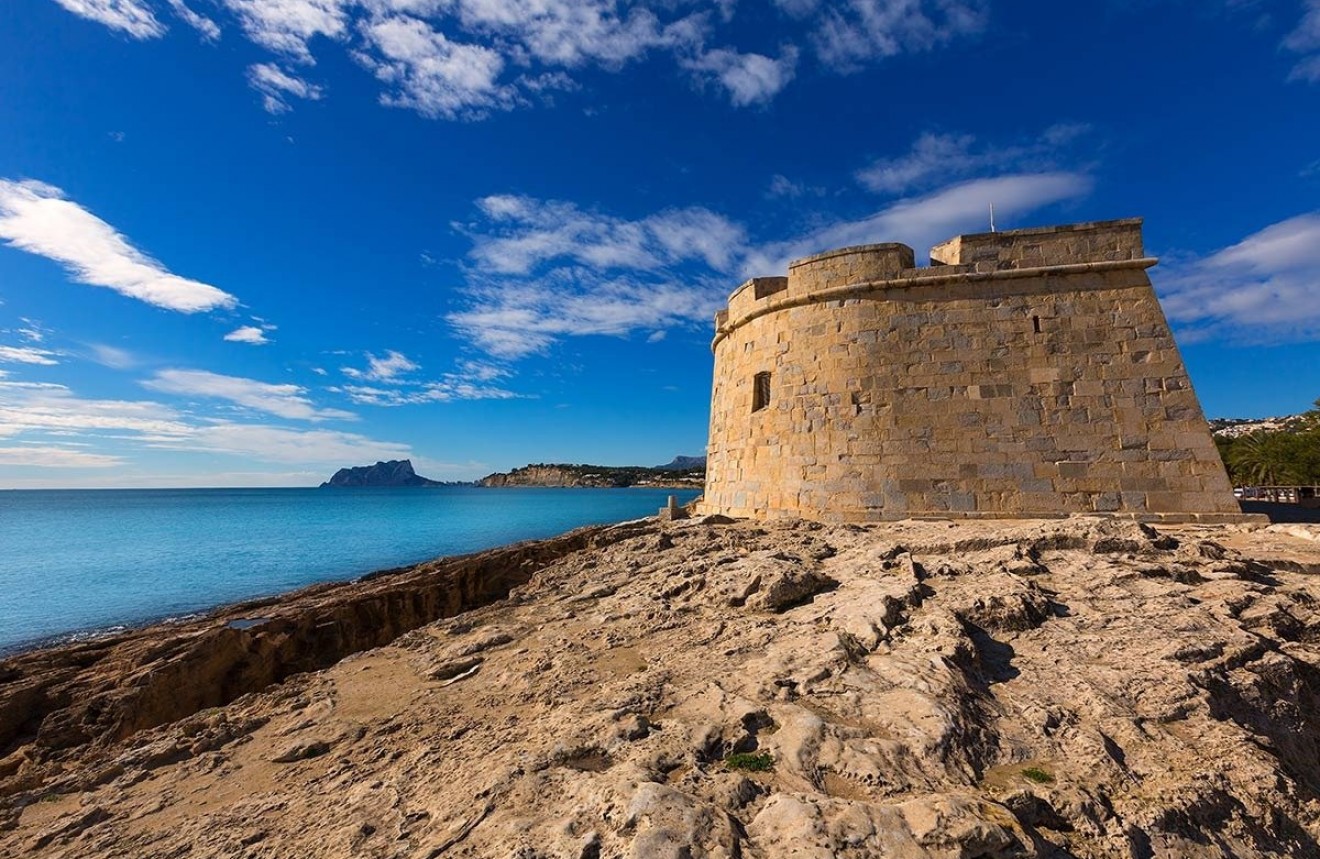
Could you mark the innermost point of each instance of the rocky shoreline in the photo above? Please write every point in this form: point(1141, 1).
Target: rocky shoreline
point(1079, 687)
point(64, 699)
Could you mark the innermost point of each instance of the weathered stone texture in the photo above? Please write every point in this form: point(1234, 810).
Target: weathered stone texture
point(1026, 373)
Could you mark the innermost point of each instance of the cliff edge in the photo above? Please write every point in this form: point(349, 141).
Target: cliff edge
point(709, 688)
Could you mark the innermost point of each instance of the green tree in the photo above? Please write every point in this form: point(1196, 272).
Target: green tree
point(1266, 458)
point(1310, 421)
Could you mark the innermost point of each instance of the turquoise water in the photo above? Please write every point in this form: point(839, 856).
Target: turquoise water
point(75, 561)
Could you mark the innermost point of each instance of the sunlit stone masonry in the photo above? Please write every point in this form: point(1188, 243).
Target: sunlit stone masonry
point(1023, 373)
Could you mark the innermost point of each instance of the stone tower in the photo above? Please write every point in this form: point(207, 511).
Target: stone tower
point(1022, 374)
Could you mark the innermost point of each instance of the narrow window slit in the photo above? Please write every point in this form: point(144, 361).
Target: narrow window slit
point(1035, 323)
point(760, 391)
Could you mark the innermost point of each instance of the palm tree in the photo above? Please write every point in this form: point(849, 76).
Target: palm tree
point(1265, 459)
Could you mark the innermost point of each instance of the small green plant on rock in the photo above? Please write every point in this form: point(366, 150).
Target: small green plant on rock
point(750, 762)
point(1038, 775)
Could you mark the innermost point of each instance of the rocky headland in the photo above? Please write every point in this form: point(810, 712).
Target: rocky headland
point(396, 472)
point(708, 688)
point(690, 476)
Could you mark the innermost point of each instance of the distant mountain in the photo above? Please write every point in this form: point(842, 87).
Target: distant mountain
point(396, 472)
point(684, 463)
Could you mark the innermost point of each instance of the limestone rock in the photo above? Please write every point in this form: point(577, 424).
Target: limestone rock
point(396, 472)
point(785, 690)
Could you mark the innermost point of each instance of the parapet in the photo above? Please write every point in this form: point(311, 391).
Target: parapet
point(1098, 241)
point(880, 268)
point(845, 266)
point(810, 275)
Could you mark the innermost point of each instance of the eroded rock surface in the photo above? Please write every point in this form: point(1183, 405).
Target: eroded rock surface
point(699, 688)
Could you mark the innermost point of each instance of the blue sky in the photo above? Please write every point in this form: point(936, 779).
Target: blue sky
point(246, 242)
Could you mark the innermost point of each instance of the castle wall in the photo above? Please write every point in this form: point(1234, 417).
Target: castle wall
point(1026, 373)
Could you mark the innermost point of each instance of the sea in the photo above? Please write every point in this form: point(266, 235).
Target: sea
point(78, 563)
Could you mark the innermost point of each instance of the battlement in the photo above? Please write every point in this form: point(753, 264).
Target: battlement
point(884, 268)
point(1038, 247)
point(849, 265)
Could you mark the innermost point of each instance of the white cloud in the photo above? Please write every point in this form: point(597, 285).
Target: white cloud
point(128, 16)
point(277, 86)
point(547, 269)
point(32, 331)
point(463, 59)
point(112, 356)
point(941, 158)
point(525, 232)
point(209, 29)
point(1305, 39)
point(431, 392)
point(26, 355)
point(386, 368)
point(933, 156)
point(748, 78)
point(37, 218)
point(298, 476)
point(1262, 289)
point(284, 445)
point(37, 456)
point(286, 26)
point(573, 32)
point(481, 371)
point(250, 334)
point(46, 407)
point(285, 401)
point(450, 58)
point(516, 317)
point(921, 222)
point(469, 381)
point(432, 74)
point(852, 33)
point(1307, 70)
point(782, 186)
point(47, 410)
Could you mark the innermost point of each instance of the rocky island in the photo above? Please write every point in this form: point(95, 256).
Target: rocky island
point(396, 472)
point(708, 688)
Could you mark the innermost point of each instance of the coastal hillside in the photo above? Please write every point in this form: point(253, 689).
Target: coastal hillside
point(709, 688)
point(599, 476)
point(396, 472)
point(1237, 427)
point(1272, 452)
